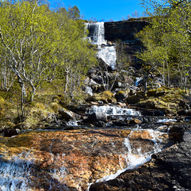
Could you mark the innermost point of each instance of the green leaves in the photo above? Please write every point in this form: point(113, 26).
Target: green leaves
point(42, 44)
point(167, 40)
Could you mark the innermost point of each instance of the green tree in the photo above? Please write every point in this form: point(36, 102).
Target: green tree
point(167, 41)
point(74, 13)
point(36, 44)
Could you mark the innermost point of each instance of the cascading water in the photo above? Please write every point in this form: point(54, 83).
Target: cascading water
point(17, 174)
point(60, 160)
point(136, 158)
point(97, 36)
point(107, 110)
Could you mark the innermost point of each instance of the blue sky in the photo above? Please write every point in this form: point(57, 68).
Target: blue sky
point(103, 9)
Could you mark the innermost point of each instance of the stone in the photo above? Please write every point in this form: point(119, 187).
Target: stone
point(120, 96)
point(168, 170)
point(9, 132)
point(66, 160)
point(67, 114)
point(137, 121)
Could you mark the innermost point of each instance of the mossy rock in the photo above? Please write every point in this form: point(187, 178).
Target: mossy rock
point(36, 113)
point(108, 94)
point(120, 96)
point(168, 99)
point(156, 92)
point(2, 106)
point(155, 103)
point(135, 98)
point(55, 106)
point(2, 101)
point(106, 97)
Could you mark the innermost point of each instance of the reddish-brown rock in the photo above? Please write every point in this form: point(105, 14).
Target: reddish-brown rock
point(71, 160)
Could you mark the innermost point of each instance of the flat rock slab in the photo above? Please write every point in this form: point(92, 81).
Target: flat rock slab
point(168, 170)
point(68, 160)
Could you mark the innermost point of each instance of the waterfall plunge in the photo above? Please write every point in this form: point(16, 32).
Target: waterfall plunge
point(97, 36)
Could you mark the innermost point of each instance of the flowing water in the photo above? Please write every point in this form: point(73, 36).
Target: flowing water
point(96, 36)
point(59, 160)
point(108, 110)
point(135, 157)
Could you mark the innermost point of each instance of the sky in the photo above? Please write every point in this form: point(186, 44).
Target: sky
point(103, 10)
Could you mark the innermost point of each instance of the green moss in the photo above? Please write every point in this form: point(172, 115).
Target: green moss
point(39, 106)
point(121, 92)
point(55, 107)
point(2, 101)
point(106, 97)
point(107, 94)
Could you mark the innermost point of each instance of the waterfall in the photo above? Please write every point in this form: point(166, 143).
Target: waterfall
point(112, 110)
point(132, 159)
point(96, 36)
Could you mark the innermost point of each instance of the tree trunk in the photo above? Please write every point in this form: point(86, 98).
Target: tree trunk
point(33, 93)
point(168, 70)
point(23, 95)
point(67, 81)
point(164, 73)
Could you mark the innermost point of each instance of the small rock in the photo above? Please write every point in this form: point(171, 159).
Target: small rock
point(66, 114)
point(122, 104)
point(9, 132)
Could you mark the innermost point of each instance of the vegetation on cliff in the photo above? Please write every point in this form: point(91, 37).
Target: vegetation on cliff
point(40, 49)
point(167, 42)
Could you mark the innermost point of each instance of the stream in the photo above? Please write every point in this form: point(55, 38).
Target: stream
point(76, 159)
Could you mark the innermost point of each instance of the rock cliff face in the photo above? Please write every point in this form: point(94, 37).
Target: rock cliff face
point(123, 30)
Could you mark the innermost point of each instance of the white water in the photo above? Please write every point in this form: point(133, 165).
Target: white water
point(16, 173)
point(133, 160)
point(137, 81)
point(97, 36)
point(72, 123)
point(166, 120)
point(107, 110)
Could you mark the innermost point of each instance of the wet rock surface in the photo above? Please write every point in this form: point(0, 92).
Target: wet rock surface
point(68, 160)
point(123, 30)
point(168, 170)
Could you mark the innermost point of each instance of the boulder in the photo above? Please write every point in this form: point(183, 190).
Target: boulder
point(9, 132)
point(66, 114)
point(134, 99)
point(168, 170)
point(156, 92)
point(120, 96)
point(66, 160)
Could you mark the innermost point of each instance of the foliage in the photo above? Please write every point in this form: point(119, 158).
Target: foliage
point(167, 42)
point(74, 12)
point(39, 45)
